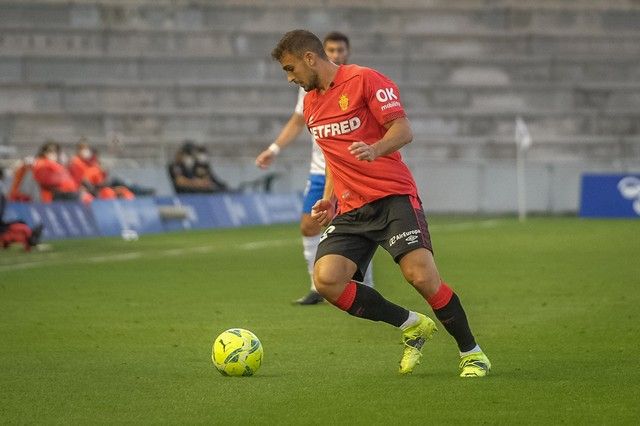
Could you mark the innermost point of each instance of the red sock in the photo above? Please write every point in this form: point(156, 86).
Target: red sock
point(345, 301)
point(441, 298)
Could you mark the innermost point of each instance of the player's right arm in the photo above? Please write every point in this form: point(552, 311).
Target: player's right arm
point(289, 133)
point(328, 184)
point(324, 210)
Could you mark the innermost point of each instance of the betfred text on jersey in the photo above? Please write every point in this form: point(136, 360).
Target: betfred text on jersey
point(333, 129)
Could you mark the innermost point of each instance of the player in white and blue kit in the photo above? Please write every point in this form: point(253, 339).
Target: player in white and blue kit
point(336, 46)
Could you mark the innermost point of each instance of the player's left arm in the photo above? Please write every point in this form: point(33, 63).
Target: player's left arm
point(398, 134)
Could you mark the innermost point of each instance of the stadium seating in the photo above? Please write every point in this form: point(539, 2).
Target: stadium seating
point(152, 73)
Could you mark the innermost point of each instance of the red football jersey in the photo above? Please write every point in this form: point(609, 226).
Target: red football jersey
point(355, 108)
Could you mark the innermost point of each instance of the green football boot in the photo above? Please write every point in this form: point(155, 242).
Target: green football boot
point(475, 365)
point(414, 338)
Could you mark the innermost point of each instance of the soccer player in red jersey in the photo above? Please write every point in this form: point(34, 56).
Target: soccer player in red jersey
point(336, 46)
point(356, 116)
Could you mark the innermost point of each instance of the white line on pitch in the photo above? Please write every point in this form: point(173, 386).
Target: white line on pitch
point(53, 258)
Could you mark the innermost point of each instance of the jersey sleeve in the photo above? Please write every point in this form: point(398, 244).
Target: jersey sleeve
point(382, 97)
point(300, 104)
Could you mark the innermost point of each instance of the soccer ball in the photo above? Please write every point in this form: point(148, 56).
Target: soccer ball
point(237, 352)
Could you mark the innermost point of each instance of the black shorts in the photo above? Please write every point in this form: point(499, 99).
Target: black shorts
point(397, 223)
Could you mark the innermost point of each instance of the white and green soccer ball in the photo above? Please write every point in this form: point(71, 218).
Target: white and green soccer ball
point(237, 352)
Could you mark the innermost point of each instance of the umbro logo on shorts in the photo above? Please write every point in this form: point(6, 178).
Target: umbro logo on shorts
point(411, 237)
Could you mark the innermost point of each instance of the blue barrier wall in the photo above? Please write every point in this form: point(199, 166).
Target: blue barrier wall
point(607, 195)
point(230, 210)
point(67, 219)
point(140, 215)
point(60, 219)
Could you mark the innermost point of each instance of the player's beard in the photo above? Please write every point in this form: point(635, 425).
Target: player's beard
point(314, 83)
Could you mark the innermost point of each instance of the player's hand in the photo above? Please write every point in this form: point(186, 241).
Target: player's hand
point(323, 211)
point(265, 159)
point(363, 151)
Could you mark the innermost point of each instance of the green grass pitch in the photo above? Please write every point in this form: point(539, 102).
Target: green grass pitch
point(108, 331)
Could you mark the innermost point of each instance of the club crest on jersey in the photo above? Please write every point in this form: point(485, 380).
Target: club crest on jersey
point(343, 102)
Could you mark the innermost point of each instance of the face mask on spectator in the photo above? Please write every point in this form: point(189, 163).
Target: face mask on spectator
point(53, 156)
point(188, 161)
point(85, 153)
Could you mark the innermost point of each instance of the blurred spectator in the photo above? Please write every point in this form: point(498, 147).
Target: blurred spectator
point(87, 172)
point(191, 171)
point(55, 181)
point(16, 231)
point(203, 165)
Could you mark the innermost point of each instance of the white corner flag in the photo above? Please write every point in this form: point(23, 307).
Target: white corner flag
point(523, 142)
point(523, 137)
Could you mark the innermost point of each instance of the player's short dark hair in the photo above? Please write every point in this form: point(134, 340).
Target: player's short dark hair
point(297, 42)
point(336, 36)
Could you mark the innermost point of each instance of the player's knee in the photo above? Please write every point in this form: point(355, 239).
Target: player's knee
point(422, 278)
point(323, 278)
point(327, 278)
